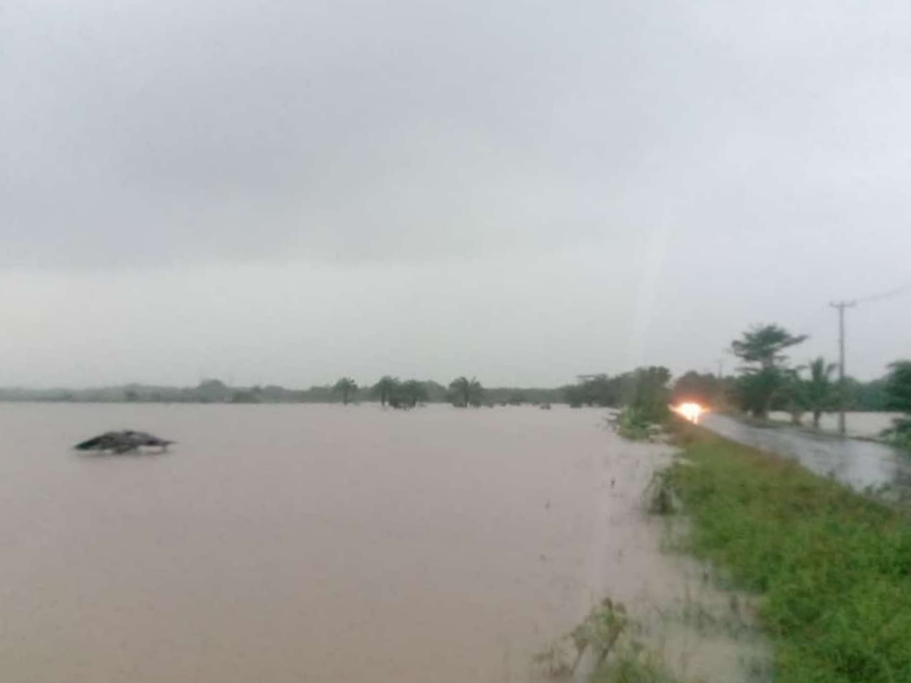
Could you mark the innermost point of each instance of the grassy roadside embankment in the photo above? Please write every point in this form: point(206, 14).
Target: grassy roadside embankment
point(833, 568)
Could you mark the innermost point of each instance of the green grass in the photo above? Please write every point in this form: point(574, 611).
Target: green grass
point(832, 566)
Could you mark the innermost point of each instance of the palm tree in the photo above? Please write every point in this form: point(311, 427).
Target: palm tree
point(345, 386)
point(466, 392)
point(385, 388)
point(819, 388)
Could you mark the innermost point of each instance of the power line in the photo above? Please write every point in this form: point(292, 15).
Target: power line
point(898, 291)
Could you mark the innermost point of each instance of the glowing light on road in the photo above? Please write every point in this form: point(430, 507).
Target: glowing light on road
point(690, 411)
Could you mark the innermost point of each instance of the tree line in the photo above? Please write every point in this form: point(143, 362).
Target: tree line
point(463, 392)
point(389, 391)
point(397, 393)
point(768, 380)
point(765, 381)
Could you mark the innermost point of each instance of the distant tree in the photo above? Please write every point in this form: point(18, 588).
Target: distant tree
point(578, 394)
point(436, 392)
point(212, 391)
point(898, 389)
point(866, 396)
point(466, 392)
point(764, 373)
point(705, 389)
point(600, 390)
point(385, 388)
point(412, 392)
point(764, 344)
point(898, 386)
point(346, 387)
point(818, 388)
point(651, 394)
point(246, 396)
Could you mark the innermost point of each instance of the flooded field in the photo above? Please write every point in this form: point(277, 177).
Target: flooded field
point(322, 543)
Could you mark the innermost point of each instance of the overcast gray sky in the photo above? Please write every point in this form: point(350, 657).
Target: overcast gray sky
point(289, 191)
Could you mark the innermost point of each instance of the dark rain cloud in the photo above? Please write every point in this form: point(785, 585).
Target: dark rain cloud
point(149, 133)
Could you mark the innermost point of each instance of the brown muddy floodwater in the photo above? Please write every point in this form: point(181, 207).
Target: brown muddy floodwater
point(316, 543)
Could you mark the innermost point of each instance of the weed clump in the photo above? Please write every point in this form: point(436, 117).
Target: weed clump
point(659, 496)
point(633, 665)
point(606, 635)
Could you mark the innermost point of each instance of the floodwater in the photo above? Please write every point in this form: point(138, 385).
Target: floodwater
point(320, 543)
point(859, 464)
point(859, 424)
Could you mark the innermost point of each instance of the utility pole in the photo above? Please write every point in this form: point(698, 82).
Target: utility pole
point(840, 306)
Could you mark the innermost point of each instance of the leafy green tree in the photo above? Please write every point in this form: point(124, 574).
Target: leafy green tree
point(466, 392)
point(647, 404)
point(898, 390)
point(212, 391)
point(651, 394)
point(818, 388)
point(764, 344)
point(601, 390)
point(866, 396)
point(704, 389)
point(246, 396)
point(589, 390)
point(898, 386)
point(346, 387)
point(412, 392)
point(385, 389)
point(764, 373)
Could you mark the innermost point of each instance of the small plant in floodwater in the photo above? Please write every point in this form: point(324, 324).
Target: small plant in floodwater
point(659, 496)
point(600, 630)
point(759, 669)
point(553, 663)
point(633, 664)
point(606, 635)
point(732, 620)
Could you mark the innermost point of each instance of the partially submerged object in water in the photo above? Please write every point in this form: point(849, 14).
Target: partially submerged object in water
point(125, 441)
